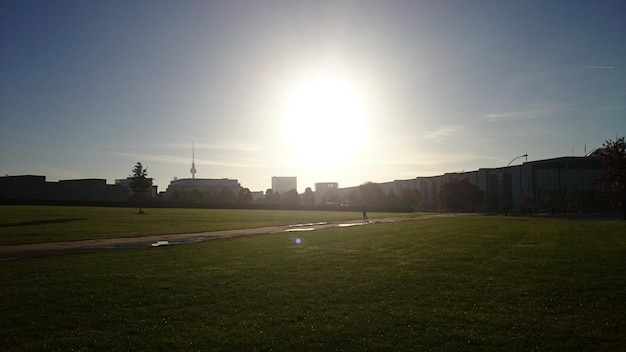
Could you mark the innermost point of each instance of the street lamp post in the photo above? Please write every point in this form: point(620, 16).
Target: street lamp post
point(510, 201)
point(521, 156)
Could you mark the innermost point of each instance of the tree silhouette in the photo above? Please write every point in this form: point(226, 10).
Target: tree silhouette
point(308, 198)
point(460, 195)
point(194, 196)
point(411, 198)
point(354, 197)
point(140, 184)
point(227, 196)
point(614, 174)
point(392, 199)
point(269, 196)
point(372, 195)
point(244, 196)
point(277, 198)
point(291, 197)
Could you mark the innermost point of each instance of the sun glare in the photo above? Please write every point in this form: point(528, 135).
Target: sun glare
point(324, 120)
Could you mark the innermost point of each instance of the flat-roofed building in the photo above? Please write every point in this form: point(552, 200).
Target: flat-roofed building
point(203, 185)
point(283, 184)
point(36, 188)
point(327, 193)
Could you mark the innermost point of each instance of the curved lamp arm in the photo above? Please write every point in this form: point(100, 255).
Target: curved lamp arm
point(521, 156)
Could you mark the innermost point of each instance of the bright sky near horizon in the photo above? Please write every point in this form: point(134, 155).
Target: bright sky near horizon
point(328, 91)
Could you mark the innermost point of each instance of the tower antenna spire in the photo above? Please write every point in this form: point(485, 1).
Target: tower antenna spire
point(193, 161)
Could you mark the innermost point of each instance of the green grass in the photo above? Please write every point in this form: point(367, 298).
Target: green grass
point(34, 224)
point(458, 284)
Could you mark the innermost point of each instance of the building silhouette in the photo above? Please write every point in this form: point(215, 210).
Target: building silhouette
point(327, 193)
point(558, 184)
point(180, 187)
point(282, 184)
point(30, 187)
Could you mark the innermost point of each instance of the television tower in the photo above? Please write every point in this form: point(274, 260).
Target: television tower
point(193, 164)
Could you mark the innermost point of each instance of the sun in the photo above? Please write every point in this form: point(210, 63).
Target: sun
point(324, 119)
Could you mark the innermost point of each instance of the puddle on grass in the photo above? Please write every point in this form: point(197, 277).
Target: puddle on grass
point(299, 229)
point(164, 243)
point(310, 224)
point(309, 227)
point(352, 224)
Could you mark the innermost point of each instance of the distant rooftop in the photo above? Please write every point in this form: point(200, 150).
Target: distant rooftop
point(597, 152)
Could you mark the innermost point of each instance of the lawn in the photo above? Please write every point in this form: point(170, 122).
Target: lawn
point(34, 224)
point(458, 284)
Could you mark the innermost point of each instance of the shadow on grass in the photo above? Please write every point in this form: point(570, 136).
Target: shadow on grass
point(42, 222)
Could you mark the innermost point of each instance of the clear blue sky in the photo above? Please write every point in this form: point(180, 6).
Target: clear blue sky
point(88, 88)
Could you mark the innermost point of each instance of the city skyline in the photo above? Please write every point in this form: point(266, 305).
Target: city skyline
point(325, 91)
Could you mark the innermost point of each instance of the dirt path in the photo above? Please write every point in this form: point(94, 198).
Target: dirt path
point(13, 252)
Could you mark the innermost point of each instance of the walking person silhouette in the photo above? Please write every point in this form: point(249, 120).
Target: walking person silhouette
point(364, 210)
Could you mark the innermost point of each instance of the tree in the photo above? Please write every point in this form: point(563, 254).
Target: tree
point(614, 175)
point(573, 200)
point(354, 197)
point(277, 198)
point(308, 198)
point(460, 195)
point(227, 196)
point(411, 198)
point(525, 200)
point(269, 196)
point(372, 195)
point(244, 196)
point(291, 197)
point(392, 199)
point(194, 196)
point(140, 184)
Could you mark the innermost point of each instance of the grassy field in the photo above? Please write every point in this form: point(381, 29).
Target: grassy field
point(34, 224)
point(460, 284)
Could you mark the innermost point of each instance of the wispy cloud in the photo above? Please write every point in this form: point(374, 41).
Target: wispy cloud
point(445, 131)
point(600, 67)
point(171, 159)
point(241, 147)
point(519, 115)
point(152, 157)
point(432, 162)
point(223, 146)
